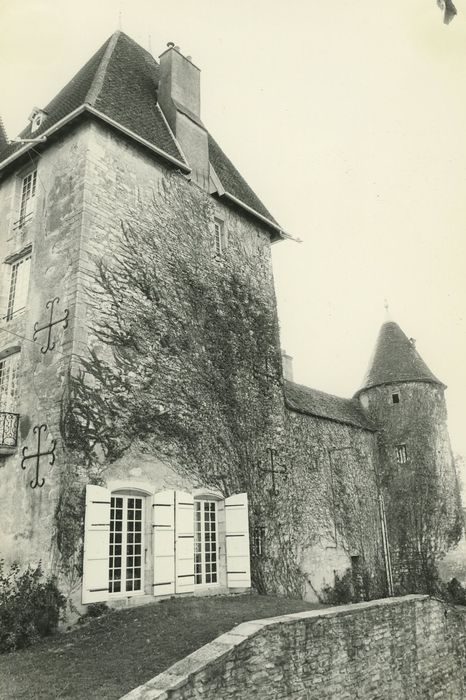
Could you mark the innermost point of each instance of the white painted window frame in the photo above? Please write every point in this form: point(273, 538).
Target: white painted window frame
point(17, 292)
point(125, 495)
point(203, 584)
point(27, 197)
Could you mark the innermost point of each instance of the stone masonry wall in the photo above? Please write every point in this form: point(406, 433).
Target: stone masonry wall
point(333, 472)
point(411, 648)
point(330, 467)
point(27, 514)
point(92, 182)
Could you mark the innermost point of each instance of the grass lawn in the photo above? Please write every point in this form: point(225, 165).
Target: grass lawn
point(117, 652)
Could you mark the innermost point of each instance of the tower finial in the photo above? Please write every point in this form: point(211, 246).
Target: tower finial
point(387, 310)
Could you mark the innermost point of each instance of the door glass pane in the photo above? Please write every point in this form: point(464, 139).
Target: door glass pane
point(205, 551)
point(126, 566)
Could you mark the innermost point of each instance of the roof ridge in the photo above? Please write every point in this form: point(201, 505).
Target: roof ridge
point(99, 77)
point(314, 402)
point(320, 391)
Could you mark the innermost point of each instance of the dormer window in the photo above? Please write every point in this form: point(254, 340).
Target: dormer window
point(36, 118)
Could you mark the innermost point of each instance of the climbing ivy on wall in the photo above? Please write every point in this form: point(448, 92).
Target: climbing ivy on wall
point(183, 363)
point(183, 358)
point(422, 496)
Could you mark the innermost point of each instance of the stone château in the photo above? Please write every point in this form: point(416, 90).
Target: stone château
point(151, 443)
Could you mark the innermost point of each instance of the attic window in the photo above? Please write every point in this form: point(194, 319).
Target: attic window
point(220, 237)
point(401, 454)
point(36, 118)
point(395, 397)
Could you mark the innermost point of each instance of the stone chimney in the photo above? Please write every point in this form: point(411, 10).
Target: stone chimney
point(179, 97)
point(287, 366)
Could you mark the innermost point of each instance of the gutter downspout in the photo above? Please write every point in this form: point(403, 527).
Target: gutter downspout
point(386, 547)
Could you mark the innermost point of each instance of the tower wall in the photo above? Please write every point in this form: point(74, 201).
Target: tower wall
point(53, 235)
point(417, 475)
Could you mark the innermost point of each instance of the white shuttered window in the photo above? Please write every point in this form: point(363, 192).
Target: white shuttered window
point(185, 543)
point(163, 543)
point(96, 543)
point(237, 541)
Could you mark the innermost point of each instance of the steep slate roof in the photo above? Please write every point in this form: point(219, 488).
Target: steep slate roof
point(119, 84)
point(232, 181)
point(395, 360)
point(302, 399)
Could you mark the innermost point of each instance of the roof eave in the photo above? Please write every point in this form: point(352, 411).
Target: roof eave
point(395, 382)
point(279, 233)
point(353, 424)
point(100, 115)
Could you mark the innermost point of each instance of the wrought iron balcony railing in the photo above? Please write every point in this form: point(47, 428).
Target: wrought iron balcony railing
point(8, 429)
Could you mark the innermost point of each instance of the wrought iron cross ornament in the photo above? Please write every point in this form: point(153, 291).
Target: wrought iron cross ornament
point(273, 471)
point(38, 429)
point(48, 326)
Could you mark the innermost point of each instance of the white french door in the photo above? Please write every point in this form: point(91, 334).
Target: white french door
point(205, 542)
point(126, 554)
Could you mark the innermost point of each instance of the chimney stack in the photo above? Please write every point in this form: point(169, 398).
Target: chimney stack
point(287, 366)
point(179, 97)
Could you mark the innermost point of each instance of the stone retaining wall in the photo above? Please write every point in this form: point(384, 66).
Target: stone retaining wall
point(404, 648)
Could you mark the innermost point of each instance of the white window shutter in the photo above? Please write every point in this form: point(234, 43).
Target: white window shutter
point(163, 542)
point(96, 545)
point(184, 542)
point(237, 541)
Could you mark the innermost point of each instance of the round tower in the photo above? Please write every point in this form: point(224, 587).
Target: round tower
point(417, 477)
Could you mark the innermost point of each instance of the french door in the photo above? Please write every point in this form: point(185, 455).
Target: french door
point(126, 555)
point(205, 542)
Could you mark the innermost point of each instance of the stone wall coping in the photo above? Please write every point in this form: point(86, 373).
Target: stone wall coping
point(179, 674)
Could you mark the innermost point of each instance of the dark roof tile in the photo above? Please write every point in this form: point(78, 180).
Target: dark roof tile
point(233, 182)
point(129, 95)
point(395, 359)
point(120, 81)
point(317, 403)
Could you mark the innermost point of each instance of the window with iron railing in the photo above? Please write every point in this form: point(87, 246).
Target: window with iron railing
point(9, 370)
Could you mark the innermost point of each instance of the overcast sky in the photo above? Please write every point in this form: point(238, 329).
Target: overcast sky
point(348, 120)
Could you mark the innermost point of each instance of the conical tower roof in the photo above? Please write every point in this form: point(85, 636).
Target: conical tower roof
point(396, 360)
